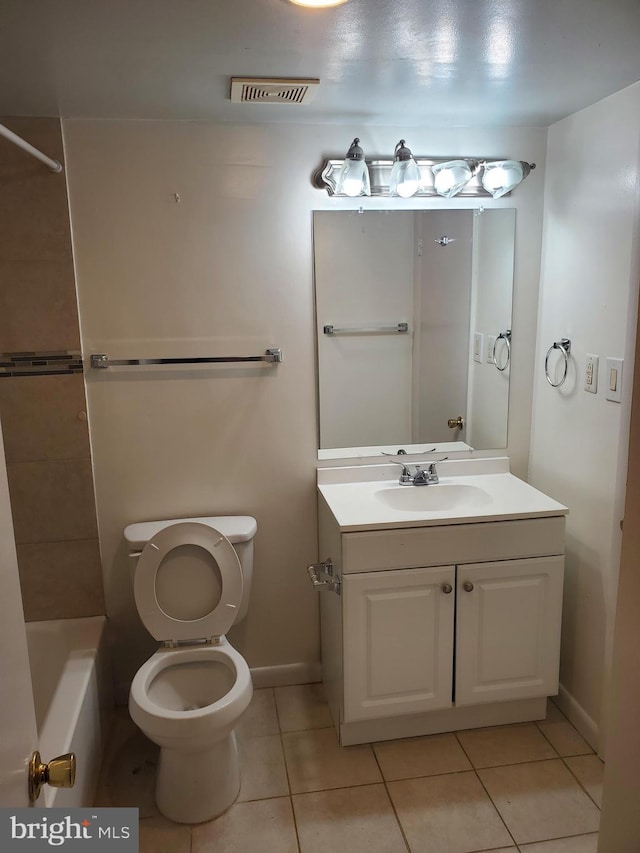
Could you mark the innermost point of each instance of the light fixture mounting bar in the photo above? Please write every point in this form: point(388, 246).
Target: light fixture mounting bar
point(380, 173)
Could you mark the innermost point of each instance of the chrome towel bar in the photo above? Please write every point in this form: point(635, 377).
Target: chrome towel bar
point(102, 360)
point(398, 328)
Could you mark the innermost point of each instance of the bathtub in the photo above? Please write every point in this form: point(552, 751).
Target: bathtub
point(72, 691)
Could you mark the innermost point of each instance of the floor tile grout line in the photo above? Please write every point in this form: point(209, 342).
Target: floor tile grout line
point(286, 770)
point(584, 788)
point(497, 810)
point(299, 731)
point(390, 798)
point(548, 739)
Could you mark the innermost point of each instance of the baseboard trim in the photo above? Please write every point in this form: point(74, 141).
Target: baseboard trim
point(576, 714)
point(285, 675)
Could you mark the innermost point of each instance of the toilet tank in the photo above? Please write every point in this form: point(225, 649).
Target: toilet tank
point(238, 529)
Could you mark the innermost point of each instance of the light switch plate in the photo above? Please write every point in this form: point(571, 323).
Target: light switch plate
point(478, 346)
point(491, 348)
point(613, 380)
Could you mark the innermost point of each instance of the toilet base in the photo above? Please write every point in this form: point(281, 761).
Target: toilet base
point(192, 787)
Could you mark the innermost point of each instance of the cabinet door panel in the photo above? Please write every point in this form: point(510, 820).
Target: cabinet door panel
point(398, 642)
point(508, 630)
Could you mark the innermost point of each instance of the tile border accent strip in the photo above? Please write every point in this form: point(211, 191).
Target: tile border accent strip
point(40, 363)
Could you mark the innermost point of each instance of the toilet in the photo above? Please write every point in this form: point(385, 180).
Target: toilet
point(192, 580)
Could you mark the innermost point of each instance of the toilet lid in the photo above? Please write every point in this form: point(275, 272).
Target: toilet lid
point(182, 593)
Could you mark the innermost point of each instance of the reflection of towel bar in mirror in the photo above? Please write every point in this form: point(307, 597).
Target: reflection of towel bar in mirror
point(398, 328)
point(102, 360)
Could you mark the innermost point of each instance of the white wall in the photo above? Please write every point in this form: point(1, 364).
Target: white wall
point(579, 440)
point(228, 270)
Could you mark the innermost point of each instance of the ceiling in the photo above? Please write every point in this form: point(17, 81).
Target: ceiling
point(394, 62)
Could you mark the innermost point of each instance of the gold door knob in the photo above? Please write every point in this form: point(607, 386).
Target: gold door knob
point(456, 423)
point(60, 772)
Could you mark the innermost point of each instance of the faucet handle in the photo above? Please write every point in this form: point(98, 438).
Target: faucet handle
point(403, 465)
point(406, 476)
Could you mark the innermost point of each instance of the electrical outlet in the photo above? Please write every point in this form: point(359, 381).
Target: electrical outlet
point(591, 373)
point(491, 348)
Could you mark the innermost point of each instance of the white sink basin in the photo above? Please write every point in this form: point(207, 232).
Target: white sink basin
point(369, 497)
point(434, 498)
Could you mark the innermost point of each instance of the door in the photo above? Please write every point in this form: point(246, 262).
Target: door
point(17, 715)
point(508, 630)
point(398, 641)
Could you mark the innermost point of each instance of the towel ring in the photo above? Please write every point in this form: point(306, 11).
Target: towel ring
point(506, 337)
point(564, 345)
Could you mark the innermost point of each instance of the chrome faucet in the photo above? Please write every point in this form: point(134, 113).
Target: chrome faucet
point(419, 476)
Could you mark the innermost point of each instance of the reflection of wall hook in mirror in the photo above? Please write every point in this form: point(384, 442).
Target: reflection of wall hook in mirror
point(444, 241)
point(177, 198)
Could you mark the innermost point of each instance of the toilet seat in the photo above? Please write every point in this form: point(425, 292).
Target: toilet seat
point(158, 619)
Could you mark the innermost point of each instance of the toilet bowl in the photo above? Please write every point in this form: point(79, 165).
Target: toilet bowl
point(192, 580)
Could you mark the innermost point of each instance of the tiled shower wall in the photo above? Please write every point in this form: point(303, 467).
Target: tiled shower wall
point(46, 438)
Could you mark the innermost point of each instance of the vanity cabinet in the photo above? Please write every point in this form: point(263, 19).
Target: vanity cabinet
point(439, 628)
point(398, 641)
point(508, 630)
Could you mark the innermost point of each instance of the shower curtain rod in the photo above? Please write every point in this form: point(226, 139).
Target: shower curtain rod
point(54, 165)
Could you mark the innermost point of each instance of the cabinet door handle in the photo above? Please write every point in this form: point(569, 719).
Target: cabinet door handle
point(467, 586)
point(446, 588)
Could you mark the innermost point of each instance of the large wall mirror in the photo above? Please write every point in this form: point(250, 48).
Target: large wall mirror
point(413, 314)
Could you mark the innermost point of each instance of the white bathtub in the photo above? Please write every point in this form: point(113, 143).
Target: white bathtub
point(72, 691)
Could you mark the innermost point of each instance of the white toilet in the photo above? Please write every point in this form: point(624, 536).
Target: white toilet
point(192, 579)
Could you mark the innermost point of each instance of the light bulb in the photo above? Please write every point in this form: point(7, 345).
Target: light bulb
point(451, 177)
point(353, 178)
point(405, 177)
point(501, 177)
point(318, 4)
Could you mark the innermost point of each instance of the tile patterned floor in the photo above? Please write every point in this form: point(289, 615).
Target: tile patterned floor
point(530, 787)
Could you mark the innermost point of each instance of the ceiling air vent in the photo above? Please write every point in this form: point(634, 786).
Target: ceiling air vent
point(272, 90)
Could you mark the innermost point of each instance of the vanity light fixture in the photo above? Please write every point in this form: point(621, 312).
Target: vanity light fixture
point(451, 177)
point(502, 176)
point(318, 4)
point(405, 177)
point(408, 176)
point(353, 179)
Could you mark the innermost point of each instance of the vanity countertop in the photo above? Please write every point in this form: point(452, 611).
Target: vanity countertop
point(472, 491)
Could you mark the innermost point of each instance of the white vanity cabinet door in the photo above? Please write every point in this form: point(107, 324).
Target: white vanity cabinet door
point(508, 630)
point(398, 641)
